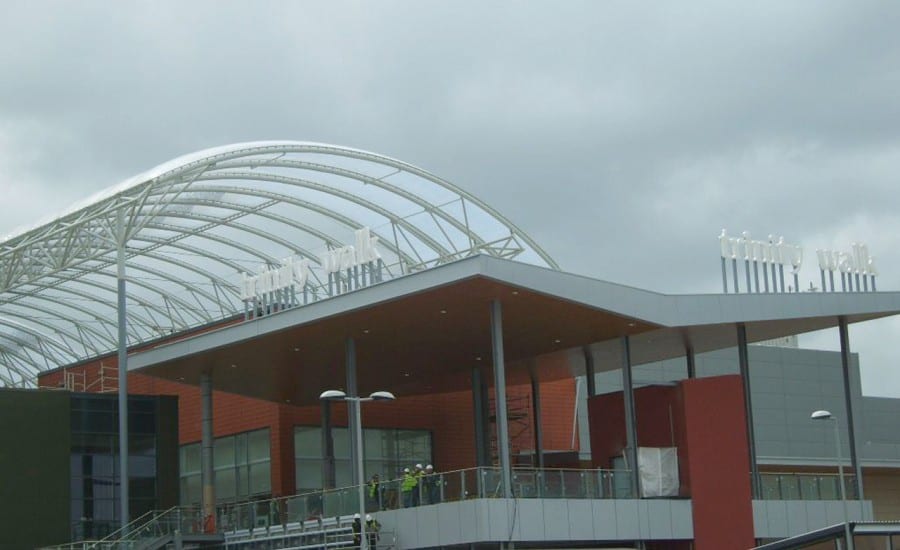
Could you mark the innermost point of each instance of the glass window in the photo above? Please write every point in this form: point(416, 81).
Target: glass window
point(242, 464)
point(260, 478)
point(387, 452)
point(223, 452)
point(225, 484)
point(190, 458)
point(258, 444)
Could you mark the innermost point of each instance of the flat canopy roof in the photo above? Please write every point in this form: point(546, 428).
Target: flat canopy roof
point(425, 332)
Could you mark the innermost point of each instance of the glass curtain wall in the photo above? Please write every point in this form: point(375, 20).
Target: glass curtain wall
point(387, 452)
point(94, 462)
point(242, 465)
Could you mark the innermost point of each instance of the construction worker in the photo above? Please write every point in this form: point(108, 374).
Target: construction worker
point(374, 493)
point(357, 531)
point(417, 493)
point(408, 487)
point(372, 528)
point(431, 485)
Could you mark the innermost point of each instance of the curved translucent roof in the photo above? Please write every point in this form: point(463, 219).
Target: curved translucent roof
point(193, 225)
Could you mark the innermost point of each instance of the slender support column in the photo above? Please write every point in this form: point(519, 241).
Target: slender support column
point(734, 272)
point(328, 477)
point(851, 431)
point(590, 372)
point(500, 392)
point(207, 474)
point(691, 361)
point(744, 362)
point(630, 418)
point(536, 416)
point(724, 277)
point(350, 357)
point(124, 516)
point(487, 459)
point(478, 409)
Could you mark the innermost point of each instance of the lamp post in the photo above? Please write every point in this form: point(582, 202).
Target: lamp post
point(825, 415)
point(338, 395)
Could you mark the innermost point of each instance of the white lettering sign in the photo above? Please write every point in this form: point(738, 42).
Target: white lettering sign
point(857, 260)
point(292, 271)
point(347, 257)
point(770, 251)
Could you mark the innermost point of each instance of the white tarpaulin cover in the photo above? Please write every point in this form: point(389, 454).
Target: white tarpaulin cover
point(658, 467)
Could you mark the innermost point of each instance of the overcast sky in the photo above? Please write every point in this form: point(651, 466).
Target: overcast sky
point(621, 136)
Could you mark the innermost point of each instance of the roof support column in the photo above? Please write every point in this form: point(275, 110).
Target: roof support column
point(350, 358)
point(536, 416)
point(744, 363)
point(207, 474)
point(500, 391)
point(630, 418)
point(848, 400)
point(690, 359)
point(478, 417)
point(590, 372)
point(328, 478)
point(124, 516)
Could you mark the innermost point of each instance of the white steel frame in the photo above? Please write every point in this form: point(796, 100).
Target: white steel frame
point(194, 224)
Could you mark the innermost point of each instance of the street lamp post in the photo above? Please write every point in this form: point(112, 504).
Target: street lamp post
point(825, 415)
point(338, 395)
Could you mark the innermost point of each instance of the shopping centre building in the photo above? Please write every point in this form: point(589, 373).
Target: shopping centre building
point(253, 278)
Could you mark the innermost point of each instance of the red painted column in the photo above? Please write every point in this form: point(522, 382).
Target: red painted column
point(718, 464)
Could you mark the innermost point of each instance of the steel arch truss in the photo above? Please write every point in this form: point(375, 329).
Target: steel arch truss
point(192, 226)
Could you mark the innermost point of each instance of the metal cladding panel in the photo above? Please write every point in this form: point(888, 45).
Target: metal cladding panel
point(682, 519)
point(530, 520)
point(797, 518)
point(581, 518)
point(556, 519)
point(605, 519)
point(627, 518)
point(449, 525)
point(473, 521)
point(659, 518)
point(499, 515)
point(427, 526)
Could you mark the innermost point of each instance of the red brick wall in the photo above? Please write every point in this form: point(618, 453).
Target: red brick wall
point(449, 417)
point(705, 419)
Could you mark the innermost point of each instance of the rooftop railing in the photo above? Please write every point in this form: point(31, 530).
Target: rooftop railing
point(806, 486)
point(430, 489)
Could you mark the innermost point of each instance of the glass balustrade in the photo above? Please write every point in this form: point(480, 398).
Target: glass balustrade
point(806, 486)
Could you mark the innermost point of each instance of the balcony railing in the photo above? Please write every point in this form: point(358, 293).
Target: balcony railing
point(431, 489)
point(803, 486)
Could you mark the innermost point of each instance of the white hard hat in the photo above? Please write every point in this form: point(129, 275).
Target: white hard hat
point(418, 466)
point(355, 516)
point(368, 517)
point(429, 467)
point(405, 470)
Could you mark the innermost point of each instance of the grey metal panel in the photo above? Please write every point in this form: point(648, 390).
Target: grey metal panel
point(449, 523)
point(556, 519)
point(658, 517)
point(500, 514)
point(428, 529)
point(760, 519)
point(816, 517)
point(605, 523)
point(406, 528)
point(627, 526)
point(777, 518)
point(530, 520)
point(473, 522)
point(580, 519)
point(795, 510)
point(682, 519)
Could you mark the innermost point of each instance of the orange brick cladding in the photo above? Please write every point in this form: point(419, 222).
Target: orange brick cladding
point(448, 416)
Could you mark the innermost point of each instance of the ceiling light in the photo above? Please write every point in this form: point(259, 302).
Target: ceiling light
point(478, 358)
point(443, 311)
point(296, 349)
point(233, 366)
point(515, 292)
point(557, 340)
point(365, 331)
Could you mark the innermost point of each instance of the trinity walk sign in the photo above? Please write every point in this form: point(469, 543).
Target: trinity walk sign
point(291, 284)
point(856, 266)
